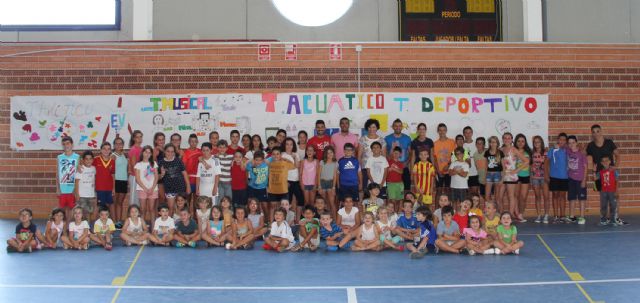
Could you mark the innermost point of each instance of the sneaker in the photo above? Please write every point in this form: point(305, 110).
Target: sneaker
point(545, 219)
point(491, 251)
point(604, 221)
point(497, 251)
point(538, 219)
point(400, 247)
point(516, 252)
point(179, 245)
point(108, 246)
point(621, 222)
point(266, 246)
point(471, 252)
point(227, 246)
point(582, 221)
point(119, 225)
point(145, 242)
point(571, 219)
point(191, 243)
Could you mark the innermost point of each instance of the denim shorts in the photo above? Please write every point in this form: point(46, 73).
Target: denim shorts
point(537, 181)
point(494, 176)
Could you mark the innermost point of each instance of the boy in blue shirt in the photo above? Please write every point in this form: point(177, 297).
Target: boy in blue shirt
point(349, 175)
point(332, 233)
point(427, 234)
point(258, 171)
point(557, 176)
point(407, 224)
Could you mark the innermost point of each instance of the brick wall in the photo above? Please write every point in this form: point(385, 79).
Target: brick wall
point(587, 84)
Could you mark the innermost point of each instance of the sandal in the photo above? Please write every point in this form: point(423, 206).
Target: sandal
point(296, 248)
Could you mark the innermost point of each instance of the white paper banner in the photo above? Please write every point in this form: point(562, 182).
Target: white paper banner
point(38, 122)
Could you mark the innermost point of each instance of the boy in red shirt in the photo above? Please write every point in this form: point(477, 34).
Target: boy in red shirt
point(608, 192)
point(462, 217)
point(395, 186)
point(190, 158)
point(239, 180)
point(105, 166)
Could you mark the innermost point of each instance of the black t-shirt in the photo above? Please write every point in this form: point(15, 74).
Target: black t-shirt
point(417, 146)
point(22, 232)
point(173, 179)
point(494, 162)
point(597, 153)
point(188, 229)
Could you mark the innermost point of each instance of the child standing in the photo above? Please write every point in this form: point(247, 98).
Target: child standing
point(348, 218)
point(493, 156)
point(373, 202)
point(395, 186)
point(476, 238)
point(203, 213)
point(85, 189)
point(458, 171)
point(216, 233)
point(258, 172)
point(55, 229)
point(424, 176)
point(174, 176)
point(377, 166)
point(208, 176)
point(449, 232)
point(367, 235)
point(135, 230)
point(540, 187)
point(103, 229)
point(78, 232)
point(67, 164)
point(239, 180)
point(163, 227)
point(187, 232)
point(105, 168)
point(121, 184)
point(349, 175)
point(426, 239)
point(135, 149)
point(309, 230)
point(278, 187)
point(608, 192)
point(308, 174)
point(280, 238)
point(25, 239)
point(146, 174)
point(327, 174)
point(241, 231)
point(577, 165)
point(507, 241)
point(558, 177)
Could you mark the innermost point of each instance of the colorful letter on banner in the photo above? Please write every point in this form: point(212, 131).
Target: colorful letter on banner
point(290, 52)
point(264, 52)
point(335, 51)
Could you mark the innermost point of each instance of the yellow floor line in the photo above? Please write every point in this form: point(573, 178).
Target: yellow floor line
point(574, 276)
point(119, 281)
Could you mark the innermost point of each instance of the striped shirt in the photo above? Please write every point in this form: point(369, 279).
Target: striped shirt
point(424, 172)
point(225, 167)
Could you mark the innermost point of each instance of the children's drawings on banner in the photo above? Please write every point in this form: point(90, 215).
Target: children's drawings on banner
point(39, 122)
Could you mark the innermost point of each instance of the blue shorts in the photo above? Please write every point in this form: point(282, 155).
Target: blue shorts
point(494, 176)
point(193, 188)
point(576, 191)
point(348, 191)
point(260, 194)
point(105, 197)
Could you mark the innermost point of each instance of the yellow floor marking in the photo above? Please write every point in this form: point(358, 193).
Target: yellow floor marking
point(119, 281)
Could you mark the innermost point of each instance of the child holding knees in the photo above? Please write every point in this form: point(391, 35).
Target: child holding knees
point(309, 230)
point(367, 235)
point(103, 229)
point(77, 232)
point(449, 232)
point(135, 230)
point(491, 219)
point(476, 238)
point(373, 202)
point(426, 240)
point(241, 231)
point(348, 218)
point(227, 212)
point(280, 237)
point(332, 233)
point(257, 219)
point(387, 229)
point(507, 241)
point(55, 229)
point(407, 224)
point(25, 239)
point(163, 227)
point(216, 234)
point(203, 212)
point(187, 232)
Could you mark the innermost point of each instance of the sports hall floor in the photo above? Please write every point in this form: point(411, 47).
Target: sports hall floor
point(560, 263)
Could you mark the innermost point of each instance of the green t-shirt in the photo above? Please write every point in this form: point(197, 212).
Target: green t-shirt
point(309, 225)
point(524, 172)
point(507, 234)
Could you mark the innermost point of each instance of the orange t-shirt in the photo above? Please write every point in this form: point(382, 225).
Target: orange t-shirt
point(443, 150)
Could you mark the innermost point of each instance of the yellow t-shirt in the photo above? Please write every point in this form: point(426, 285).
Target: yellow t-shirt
point(490, 225)
point(477, 212)
point(278, 173)
point(103, 227)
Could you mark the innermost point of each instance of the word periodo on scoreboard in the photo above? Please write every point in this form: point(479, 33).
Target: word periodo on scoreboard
point(450, 20)
point(39, 122)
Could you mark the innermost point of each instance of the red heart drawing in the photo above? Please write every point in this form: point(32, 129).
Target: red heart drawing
point(98, 118)
point(27, 128)
point(19, 144)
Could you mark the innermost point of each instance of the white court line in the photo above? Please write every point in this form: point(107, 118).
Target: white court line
point(351, 295)
point(581, 233)
point(347, 287)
